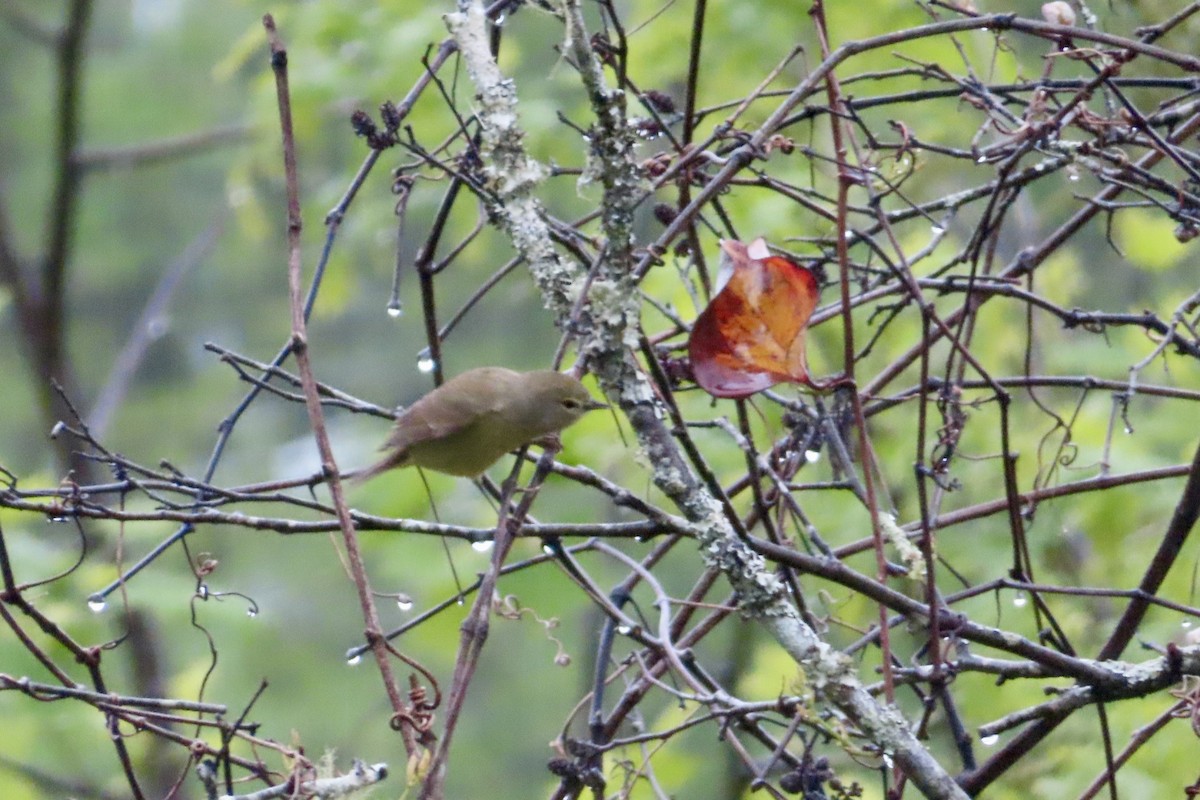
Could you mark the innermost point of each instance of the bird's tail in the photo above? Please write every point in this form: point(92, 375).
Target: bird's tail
point(360, 476)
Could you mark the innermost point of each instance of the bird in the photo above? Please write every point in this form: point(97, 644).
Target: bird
point(468, 423)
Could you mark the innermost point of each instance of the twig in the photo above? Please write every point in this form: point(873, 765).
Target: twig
point(374, 630)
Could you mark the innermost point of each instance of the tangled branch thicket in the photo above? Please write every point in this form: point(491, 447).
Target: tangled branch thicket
point(917, 539)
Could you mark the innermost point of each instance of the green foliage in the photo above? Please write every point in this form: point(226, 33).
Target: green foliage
point(207, 67)
point(1148, 241)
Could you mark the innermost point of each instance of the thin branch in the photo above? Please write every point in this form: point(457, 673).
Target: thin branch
point(299, 348)
point(150, 153)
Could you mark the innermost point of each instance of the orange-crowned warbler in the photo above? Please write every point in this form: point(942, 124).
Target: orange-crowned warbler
point(465, 425)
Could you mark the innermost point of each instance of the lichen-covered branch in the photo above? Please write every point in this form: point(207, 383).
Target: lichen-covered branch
point(608, 332)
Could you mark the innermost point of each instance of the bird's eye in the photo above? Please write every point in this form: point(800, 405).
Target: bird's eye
point(571, 404)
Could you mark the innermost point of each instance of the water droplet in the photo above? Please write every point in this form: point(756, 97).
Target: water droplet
point(547, 549)
point(624, 630)
point(499, 20)
point(425, 362)
point(460, 600)
point(404, 602)
point(1187, 623)
point(988, 741)
point(1020, 600)
point(1128, 429)
point(1073, 176)
point(981, 160)
point(252, 612)
point(203, 591)
point(482, 546)
point(97, 603)
point(57, 429)
point(812, 456)
point(57, 519)
point(887, 760)
point(353, 658)
point(937, 230)
point(395, 309)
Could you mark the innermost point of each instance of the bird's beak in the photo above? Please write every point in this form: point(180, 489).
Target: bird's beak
point(595, 405)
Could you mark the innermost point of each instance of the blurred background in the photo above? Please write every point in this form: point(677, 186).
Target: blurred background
point(175, 239)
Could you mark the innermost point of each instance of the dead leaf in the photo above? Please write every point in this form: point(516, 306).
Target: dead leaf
point(751, 336)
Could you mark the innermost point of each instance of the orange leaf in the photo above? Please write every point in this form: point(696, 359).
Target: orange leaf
point(751, 336)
